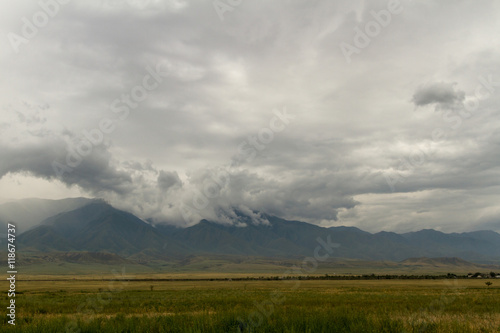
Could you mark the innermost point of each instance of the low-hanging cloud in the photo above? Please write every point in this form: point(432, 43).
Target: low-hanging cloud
point(95, 174)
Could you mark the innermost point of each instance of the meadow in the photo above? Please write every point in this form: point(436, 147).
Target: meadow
point(122, 304)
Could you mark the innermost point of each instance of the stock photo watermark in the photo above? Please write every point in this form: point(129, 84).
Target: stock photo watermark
point(454, 118)
point(121, 106)
point(37, 21)
point(437, 306)
point(11, 273)
point(265, 309)
point(247, 150)
point(363, 36)
point(95, 304)
point(223, 6)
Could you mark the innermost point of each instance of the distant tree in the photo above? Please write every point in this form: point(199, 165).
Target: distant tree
point(493, 274)
point(488, 283)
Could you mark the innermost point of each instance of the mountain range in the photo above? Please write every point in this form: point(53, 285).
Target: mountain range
point(84, 225)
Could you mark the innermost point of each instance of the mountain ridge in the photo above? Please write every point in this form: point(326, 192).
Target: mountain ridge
point(98, 226)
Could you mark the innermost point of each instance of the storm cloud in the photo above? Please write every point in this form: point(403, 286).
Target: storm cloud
point(176, 111)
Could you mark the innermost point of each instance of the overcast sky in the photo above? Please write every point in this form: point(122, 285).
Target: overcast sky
point(378, 114)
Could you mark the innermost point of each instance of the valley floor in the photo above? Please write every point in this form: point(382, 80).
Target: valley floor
point(124, 305)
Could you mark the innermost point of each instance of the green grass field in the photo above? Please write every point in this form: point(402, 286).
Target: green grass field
point(255, 306)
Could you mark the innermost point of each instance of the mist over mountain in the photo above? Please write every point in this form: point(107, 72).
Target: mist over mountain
point(27, 213)
point(99, 227)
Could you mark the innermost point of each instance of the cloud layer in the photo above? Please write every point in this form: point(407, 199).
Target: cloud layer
point(169, 111)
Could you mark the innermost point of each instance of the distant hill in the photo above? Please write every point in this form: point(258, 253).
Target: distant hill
point(72, 257)
point(475, 246)
point(450, 263)
point(99, 227)
point(27, 213)
point(94, 227)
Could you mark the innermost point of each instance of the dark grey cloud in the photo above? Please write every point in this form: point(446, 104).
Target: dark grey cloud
point(440, 93)
point(168, 179)
point(48, 159)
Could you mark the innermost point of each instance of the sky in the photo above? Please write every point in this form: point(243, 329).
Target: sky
point(382, 115)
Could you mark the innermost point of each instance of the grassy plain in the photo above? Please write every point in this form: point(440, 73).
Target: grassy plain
point(235, 265)
point(122, 304)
